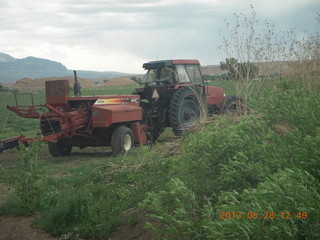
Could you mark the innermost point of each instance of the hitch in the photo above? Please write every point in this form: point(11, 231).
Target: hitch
point(9, 143)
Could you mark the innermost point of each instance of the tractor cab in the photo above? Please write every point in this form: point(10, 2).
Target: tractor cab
point(173, 95)
point(164, 77)
point(173, 72)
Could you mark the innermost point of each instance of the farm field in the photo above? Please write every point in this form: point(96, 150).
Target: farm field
point(224, 180)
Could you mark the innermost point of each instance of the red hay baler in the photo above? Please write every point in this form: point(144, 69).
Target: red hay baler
point(66, 121)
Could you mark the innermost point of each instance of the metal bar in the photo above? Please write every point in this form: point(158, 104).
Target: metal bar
point(31, 95)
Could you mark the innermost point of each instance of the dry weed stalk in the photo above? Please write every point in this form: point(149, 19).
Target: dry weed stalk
point(278, 55)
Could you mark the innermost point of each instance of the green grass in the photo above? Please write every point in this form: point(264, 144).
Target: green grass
point(227, 85)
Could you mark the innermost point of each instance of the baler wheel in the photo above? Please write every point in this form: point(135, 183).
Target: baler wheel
point(122, 140)
point(59, 149)
point(187, 105)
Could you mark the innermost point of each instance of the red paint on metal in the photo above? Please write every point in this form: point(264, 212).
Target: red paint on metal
point(214, 95)
point(138, 133)
point(186, 61)
point(57, 93)
point(114, 114)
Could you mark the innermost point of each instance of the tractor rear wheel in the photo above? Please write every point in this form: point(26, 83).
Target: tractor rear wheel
point(187, 105)
point(122, 140)
point(59, 148)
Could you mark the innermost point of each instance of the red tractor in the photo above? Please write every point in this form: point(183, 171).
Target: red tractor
point(174, 95)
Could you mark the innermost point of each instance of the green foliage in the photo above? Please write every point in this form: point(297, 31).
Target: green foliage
point(292, 105)
point(280, 204)
point(3, 89)
point(207, 77)
point(176, 210)
point(285, 206)
point(26, 181)
point(12, 124)
point(90, 203)
point(247, 166)
point(16, 90)
point(228, 155)
point(137, 80)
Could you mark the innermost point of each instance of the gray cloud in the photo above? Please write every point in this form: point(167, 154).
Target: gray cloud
point(121, 34)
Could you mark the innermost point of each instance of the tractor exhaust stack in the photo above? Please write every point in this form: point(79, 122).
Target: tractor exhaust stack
point(76, 86)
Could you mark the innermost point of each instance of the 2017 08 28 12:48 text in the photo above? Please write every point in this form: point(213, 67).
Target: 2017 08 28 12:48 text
point(263, 215)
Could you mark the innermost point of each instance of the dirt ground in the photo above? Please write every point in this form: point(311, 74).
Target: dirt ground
point(21, 228)
point(18, 228)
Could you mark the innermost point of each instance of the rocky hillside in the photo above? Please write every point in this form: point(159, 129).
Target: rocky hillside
point(12, 69)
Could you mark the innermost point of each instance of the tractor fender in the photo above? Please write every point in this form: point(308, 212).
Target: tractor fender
point(215, 96)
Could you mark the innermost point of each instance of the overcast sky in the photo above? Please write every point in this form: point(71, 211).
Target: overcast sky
point(119, 35)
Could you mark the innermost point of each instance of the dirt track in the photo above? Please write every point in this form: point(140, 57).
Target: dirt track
point(20, 228)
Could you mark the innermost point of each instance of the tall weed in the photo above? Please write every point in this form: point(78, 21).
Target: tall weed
point(230, 155)
point(292, 106)
point(285, 206)
point(175, 210)
point(27, 182)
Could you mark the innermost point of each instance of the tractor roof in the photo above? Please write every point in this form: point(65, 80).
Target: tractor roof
point(170, 63)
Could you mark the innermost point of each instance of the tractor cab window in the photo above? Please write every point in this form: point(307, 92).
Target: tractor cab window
point(150, 76)
point(182, 74)
point(166, 75)
point(159, 76)
point(194, 74)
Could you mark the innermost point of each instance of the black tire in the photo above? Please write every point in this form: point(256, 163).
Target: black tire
point(187, 105)
point(234, 105)
point(60, 148)
point(122, 140)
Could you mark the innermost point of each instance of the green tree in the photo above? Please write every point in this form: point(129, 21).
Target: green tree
point(239, 71)
point(137, 80)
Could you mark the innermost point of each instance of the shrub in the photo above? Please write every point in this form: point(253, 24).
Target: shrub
point(292, 105)
point(228, 155)
point(285, 206)
point(26, 180)
point(176, 212)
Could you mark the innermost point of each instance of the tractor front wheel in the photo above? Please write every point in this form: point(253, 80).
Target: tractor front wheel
point(122, 140)
point(59, 148)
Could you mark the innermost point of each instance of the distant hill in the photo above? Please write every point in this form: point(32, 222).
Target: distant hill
point(27, 84)
point(212, 70)
point(6, 58)
point(13, 69)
